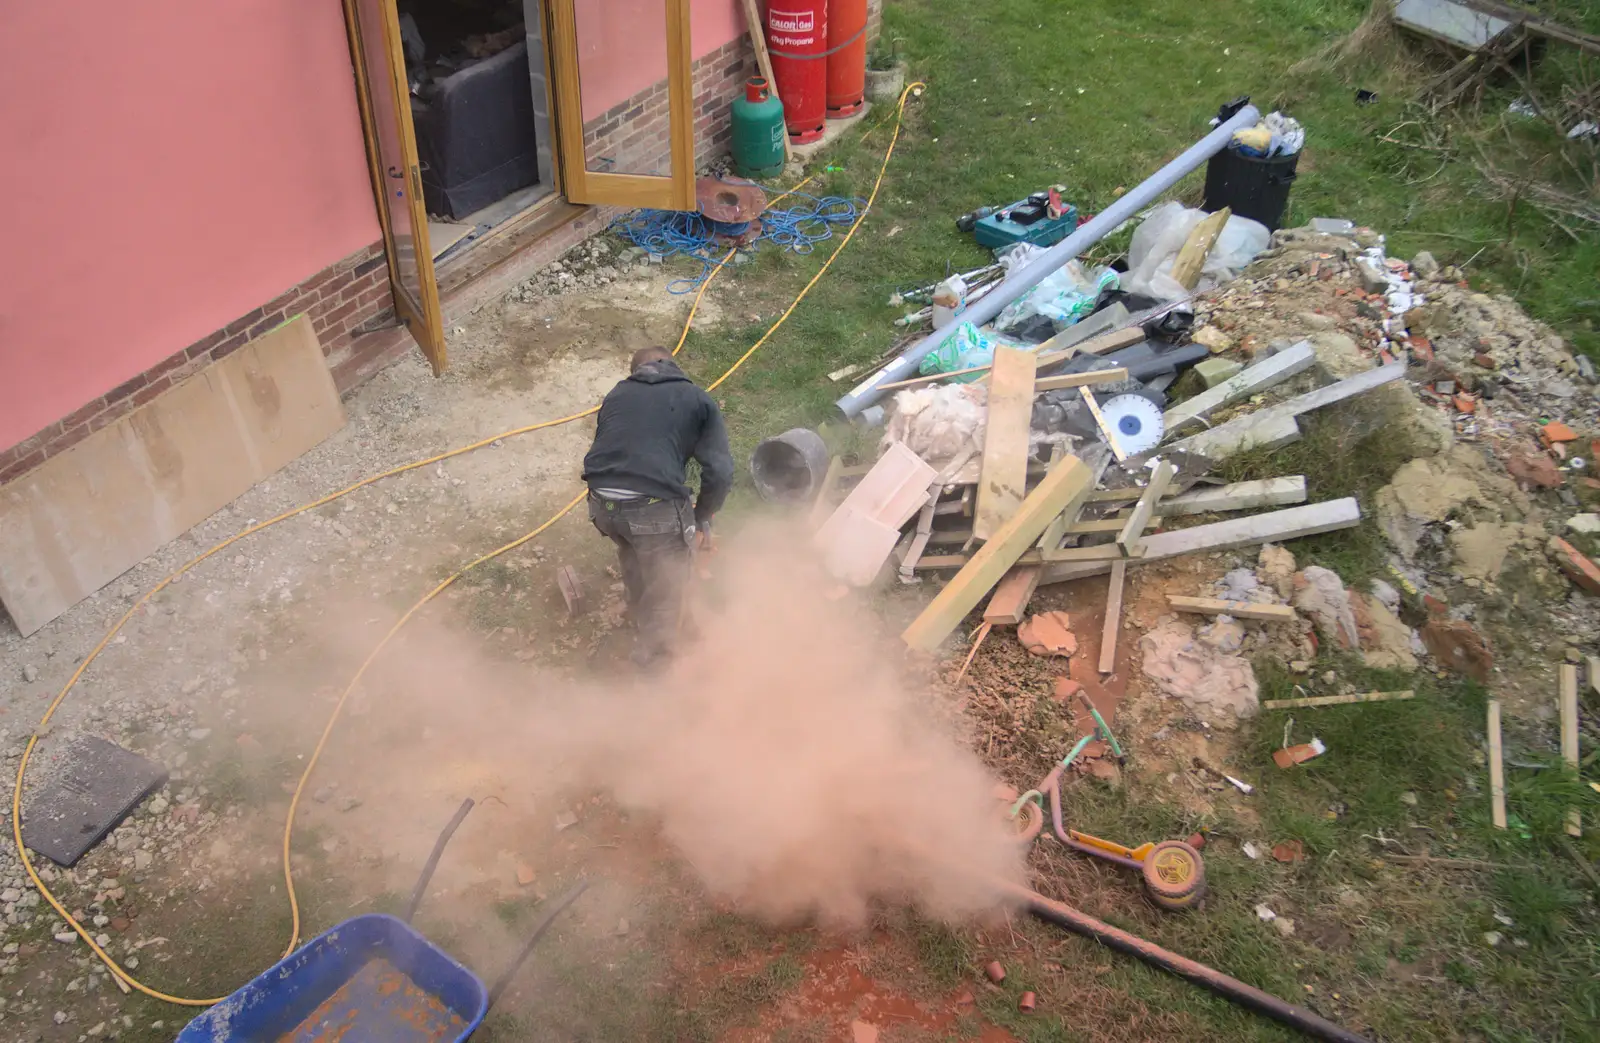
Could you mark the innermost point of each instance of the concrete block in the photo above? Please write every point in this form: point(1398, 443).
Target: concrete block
point(1214, 371)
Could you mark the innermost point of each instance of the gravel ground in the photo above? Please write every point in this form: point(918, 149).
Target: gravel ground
point(200, 677)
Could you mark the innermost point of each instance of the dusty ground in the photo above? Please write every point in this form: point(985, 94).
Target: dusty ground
point(228, 676)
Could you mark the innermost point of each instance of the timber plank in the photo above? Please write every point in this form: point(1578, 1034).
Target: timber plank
point(1002, 480)
point(1237, 609)
point(1113, 622)
point(1133, 530)
point(1067, 481)
point(1009, 603)
point(1253, 379)
point(1270, 527)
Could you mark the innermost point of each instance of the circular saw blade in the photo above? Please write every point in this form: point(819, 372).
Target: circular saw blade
point(1136, 422)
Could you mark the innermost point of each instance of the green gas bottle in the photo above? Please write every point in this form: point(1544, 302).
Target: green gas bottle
point(757, 131)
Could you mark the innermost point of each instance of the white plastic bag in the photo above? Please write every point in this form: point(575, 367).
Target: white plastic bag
point(1158, 239)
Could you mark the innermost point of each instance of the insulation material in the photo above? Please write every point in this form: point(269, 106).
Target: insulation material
point(1219, 688)
point(940, 424)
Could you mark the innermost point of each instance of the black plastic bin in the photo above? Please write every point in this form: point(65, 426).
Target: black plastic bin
point(1250, 186)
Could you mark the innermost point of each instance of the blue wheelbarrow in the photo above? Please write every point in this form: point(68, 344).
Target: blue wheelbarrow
point(371, 979)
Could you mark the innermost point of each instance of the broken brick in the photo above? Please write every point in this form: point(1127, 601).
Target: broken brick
point(1289, 756)
point(1484, 360)
point(1465, 403)
point(1458, 647)
point(1555, 431)
point(1289, 851)
point(1578, 568)
point(1536, 469)
point(1422, 349)
point(1049, 634)
point(1435, 606)
point(1066, 689)
point(1104, 770)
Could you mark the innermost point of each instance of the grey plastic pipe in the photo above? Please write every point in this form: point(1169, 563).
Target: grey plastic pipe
point(1103, 224)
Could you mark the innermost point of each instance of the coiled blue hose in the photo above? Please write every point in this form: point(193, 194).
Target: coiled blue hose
point(798, 227)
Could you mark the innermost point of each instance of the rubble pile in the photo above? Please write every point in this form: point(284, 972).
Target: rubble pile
point(1091, 453)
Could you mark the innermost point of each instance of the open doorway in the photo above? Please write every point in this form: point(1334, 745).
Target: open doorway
point(476, 81)
point(469, 169)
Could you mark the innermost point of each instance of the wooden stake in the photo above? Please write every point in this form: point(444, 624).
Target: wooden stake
point(1078, 380)
point(1100, 422)
point(1238, 610)
point(1133, 531)
point(977, 643)
point(1497, 768)
point(1569, 736)
point(758, 41)
point(1337, 700)
point(1443, 863)
point(919, 541)
point(1113, 624)
point(1192, 257)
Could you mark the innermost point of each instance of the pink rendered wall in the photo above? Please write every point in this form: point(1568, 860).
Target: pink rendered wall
point(622, 47)
point(170, 166)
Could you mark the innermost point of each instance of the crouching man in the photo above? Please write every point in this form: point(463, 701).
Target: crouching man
point(651, 425)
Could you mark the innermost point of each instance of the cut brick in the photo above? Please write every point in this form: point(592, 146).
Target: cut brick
point(1578, 568)
point(1458, 647)
point(1555, 431)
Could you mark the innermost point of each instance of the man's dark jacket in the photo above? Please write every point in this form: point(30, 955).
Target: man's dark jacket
point(651, 425)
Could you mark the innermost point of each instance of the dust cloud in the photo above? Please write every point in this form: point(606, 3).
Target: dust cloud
point(782, 755)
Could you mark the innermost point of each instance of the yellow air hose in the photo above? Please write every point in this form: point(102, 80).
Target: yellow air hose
point(123, 976)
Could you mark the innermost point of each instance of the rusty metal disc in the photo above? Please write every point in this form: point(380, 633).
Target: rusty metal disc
point(730, 202)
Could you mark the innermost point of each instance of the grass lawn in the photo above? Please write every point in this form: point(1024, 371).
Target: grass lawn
point(1024, 94)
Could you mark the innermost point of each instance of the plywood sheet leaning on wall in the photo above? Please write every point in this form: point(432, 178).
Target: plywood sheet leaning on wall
point(83, 518)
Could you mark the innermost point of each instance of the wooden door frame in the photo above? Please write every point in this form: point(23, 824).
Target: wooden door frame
point(427, 279)
point(581, 185)
point(570, 176)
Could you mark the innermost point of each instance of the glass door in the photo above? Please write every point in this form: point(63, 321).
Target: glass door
point(380, 70)
point(617, 65)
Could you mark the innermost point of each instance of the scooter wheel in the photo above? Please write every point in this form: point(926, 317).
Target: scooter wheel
point(1028, 822)
point(1174, 875)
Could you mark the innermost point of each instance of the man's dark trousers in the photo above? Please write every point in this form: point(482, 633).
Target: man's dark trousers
point(655, 542)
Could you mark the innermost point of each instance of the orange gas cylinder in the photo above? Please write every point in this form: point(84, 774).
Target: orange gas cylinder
point(847, 57)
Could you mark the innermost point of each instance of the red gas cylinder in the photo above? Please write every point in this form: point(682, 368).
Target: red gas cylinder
point(847, 57)
point(797, 38)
